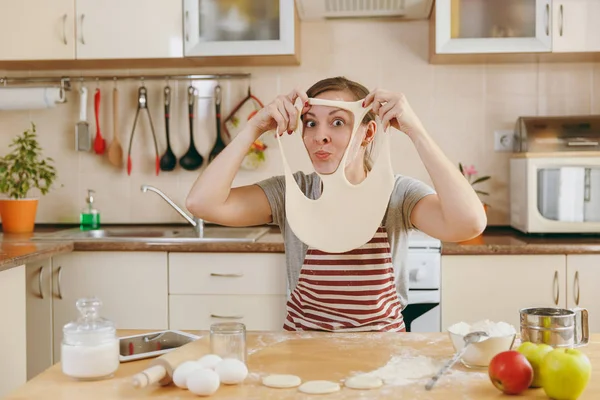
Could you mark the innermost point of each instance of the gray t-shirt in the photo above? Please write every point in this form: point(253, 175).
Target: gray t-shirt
point(407, 192)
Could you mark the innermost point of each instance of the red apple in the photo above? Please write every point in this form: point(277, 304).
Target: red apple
point(510, 372)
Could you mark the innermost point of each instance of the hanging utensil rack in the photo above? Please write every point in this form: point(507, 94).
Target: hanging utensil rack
point(65, 81)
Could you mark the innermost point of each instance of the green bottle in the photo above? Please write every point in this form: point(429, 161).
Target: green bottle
point(89, 218)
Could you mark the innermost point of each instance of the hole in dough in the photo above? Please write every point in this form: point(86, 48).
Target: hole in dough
point(363, 382)
point(281, 381)
point(319, 387)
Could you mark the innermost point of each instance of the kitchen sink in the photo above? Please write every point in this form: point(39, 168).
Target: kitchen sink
point(153, 234)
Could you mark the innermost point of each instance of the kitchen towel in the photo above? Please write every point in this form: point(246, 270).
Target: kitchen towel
point(29, 98)
point(571, 194)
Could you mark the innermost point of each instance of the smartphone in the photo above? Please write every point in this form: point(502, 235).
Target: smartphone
point(153, 344)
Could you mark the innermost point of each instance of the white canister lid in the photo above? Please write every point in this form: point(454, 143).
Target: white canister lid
point(90, 329)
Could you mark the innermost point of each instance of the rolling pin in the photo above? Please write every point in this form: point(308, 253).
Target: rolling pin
point(160, 369)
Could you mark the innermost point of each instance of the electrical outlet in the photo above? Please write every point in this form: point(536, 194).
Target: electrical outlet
point(503, 140)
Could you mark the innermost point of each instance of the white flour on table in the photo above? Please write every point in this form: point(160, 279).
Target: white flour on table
point(406, 369)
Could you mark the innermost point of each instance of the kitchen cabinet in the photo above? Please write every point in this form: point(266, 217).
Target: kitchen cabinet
point(13, 363)
point(575, 26)
point(39, 317)
point(482, 26)
point(240, 28)
point(37, 30)
point(81, 34)
point(513, 28)
point(87, 29)
point(583, 275)
point(205, 288)
point(128, 29)
point(496, 287)
point(131, 285)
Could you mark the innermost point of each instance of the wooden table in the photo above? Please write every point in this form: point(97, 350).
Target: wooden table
point(310, 355)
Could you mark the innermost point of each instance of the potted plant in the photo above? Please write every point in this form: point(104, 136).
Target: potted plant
point(21, 170)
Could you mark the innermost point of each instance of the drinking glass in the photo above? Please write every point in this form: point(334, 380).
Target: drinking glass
point(228, 340)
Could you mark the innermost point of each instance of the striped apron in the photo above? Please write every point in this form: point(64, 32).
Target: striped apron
point(347, 292)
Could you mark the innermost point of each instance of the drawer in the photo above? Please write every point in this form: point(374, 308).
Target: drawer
point(199, 312)
point(227, 273)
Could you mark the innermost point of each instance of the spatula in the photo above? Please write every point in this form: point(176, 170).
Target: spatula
point(115, 150)
point(99, 143)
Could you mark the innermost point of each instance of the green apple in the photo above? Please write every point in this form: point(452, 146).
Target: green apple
point(565, 373)
point(534, 354)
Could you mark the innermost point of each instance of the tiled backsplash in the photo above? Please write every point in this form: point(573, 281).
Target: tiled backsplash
point(461, 106)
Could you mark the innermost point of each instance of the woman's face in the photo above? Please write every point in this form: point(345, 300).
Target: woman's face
point(327, 131)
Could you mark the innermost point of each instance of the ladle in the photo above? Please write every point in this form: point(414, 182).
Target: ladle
point(168, 161)
point(191, 160)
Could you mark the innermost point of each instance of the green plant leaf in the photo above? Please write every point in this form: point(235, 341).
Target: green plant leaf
point(460, 167)
point(483, 193)
point(23, 168)
point(482, 179)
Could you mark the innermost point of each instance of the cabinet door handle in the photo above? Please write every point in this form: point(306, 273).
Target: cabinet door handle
point(60, 296)
point(81, 28)
point(226, 316)
point(547, 19)
point(226, 275)
point(187, 26)
point(576, 288)
point(64, 19)
point(556, 288)
point(561, 13)
point(40, 278)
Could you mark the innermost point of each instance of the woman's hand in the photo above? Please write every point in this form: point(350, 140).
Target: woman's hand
point(280, 114)
point(393, 109)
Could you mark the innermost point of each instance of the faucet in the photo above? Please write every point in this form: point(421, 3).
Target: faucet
point(197, 223)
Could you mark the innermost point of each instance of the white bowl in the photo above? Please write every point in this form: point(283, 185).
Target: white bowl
point(479, 355)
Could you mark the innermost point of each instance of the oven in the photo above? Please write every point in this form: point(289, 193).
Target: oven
point(423, 262)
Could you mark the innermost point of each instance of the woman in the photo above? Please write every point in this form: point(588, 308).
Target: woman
point(364, 289)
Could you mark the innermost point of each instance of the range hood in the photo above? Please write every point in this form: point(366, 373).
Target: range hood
point(338, 9)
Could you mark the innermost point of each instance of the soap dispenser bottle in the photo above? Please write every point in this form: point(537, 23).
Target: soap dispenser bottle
point(89, 218)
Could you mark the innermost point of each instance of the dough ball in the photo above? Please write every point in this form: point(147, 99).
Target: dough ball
point(181, 373)
point(210, 361)
point(203, 382)
point(281, 381)
point(363, 382)
point(231, 371)
point(319, 387)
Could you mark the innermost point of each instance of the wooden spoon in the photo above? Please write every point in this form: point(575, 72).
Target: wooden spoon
point(115, 151)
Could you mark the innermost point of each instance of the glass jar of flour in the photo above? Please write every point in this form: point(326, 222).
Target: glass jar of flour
point(90, 346)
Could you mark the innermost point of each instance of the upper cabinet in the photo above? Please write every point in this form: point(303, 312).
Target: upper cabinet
point(128, 29)
point(67, 34)
point(37, 30)
point(483, 26)
point(88, 29)
point(575, 26)
point(239, 27)
point(513, 27)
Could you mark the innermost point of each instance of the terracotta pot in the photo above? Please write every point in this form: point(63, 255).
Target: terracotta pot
point(18, 216)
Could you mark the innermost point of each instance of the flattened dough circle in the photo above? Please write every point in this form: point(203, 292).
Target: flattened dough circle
point(363, 382)
point(319, 387)
point(281, 381)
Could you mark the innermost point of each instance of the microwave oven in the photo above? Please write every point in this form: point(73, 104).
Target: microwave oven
point(555, 194)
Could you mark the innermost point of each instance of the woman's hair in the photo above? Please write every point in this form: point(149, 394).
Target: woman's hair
point(340, 83)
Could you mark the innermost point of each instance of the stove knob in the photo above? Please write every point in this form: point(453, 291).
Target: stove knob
point(417, 275)
point(412, 275)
